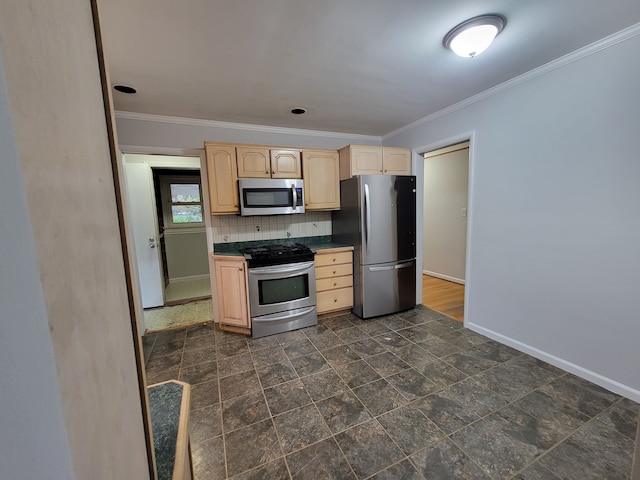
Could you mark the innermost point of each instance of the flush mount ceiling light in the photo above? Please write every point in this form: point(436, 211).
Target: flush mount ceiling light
point(474, 36)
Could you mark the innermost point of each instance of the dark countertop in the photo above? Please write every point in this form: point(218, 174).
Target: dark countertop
point(164, 403)
point(314, 243)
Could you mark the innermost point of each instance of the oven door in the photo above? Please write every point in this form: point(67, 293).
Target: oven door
point(279, 288)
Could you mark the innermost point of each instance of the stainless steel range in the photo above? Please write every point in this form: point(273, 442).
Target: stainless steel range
point(282, 288)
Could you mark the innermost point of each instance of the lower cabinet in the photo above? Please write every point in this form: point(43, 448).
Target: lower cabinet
point(231, 293)
point(334, 279)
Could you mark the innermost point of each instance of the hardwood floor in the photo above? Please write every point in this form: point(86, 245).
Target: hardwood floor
point(443, 296)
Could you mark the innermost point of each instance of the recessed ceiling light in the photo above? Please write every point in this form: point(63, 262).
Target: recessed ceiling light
point(298, 110)
point(473, 36)
point(125, 89)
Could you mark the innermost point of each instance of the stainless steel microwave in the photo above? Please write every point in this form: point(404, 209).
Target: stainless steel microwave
point(270, 196)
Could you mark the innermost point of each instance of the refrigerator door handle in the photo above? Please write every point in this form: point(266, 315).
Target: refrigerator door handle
point(382, 269)
point(367, 215)
point(404, 265)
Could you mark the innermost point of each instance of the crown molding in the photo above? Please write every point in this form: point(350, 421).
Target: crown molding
point(563, 61)
point(147, 117)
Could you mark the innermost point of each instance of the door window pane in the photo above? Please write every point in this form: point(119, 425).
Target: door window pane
point(186, 213)
point(185, 192)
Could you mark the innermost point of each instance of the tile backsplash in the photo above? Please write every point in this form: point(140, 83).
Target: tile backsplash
point(232, 228)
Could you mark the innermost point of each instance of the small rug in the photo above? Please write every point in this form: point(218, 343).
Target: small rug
point(178, 316)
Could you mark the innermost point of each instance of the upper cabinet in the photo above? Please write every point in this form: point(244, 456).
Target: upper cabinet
point(321, 179)
point(222, 178)
point(365, 160)
point(285, 163)
point(262, 162)
point(253, 162)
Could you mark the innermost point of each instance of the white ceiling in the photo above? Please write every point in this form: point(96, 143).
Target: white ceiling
point(358, 66)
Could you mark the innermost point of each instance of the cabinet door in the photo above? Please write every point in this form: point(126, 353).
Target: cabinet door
point(366, 160)
point(285, 164)
point(231, 291)
point(222, 178)
point(321, 179)
point(253, 162)
point(396, 161)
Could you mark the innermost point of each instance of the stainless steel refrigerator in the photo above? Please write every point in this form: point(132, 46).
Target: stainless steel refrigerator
point(378, 217)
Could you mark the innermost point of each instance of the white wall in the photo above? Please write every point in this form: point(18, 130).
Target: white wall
point(33, 437)
point(73, 283)
point(553, 227)
point(446, 178)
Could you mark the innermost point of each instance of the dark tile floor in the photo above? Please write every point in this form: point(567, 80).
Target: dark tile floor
point(411, 396)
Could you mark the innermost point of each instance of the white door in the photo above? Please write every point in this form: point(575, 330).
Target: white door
point(144, 223)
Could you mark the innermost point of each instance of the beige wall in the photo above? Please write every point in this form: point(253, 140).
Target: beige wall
point(55, 98)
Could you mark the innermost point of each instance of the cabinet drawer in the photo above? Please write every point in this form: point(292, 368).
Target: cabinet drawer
point(338, 299)
point(334, 271)
point(331, 283)
point(333, 258)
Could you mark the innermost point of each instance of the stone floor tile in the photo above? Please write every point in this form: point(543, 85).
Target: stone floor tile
point(368, 448)
point(322, 460)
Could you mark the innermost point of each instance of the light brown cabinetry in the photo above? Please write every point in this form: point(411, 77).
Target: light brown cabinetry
point(262, 162)
point(334, 279)
point(222, 178)
point(365, 160)
point(231, 293)
point(285, 163)
point(321, 179)
point(253, 162)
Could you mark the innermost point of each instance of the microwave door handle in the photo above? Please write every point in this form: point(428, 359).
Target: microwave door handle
point(367, 215)
point(295, 196)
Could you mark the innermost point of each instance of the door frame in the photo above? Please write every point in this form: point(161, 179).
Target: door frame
point(157, 161)
point(419, 152)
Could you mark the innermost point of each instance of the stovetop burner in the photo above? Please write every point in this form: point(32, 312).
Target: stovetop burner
point(265, 255)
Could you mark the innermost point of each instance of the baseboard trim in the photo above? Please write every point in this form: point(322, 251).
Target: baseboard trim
point(444, 277)
point(188, 279)
point(581, 372)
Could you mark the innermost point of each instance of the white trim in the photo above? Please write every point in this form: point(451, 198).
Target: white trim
point(581, 372)
point(461, 137)
point(188, 279)
point(170, 152)
point(146, 117)
point(443, 277)
point(579, 54)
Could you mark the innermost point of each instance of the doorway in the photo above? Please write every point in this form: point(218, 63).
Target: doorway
point(446, 179)
point(165, 203)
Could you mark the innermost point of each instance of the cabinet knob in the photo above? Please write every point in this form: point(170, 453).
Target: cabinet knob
point(335, 284)
point(267, 171)
point(334, 259)
point(334, 272)
point(335, 300)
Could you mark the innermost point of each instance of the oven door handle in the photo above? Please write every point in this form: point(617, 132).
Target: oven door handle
point(298, 312)
point(281, 269)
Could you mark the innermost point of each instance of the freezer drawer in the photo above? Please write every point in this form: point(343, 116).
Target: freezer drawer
point(385, 288)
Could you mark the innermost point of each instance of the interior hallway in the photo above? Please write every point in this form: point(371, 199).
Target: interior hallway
point(443, 296)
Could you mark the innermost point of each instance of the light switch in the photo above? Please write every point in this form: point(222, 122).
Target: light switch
point(463, 212)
